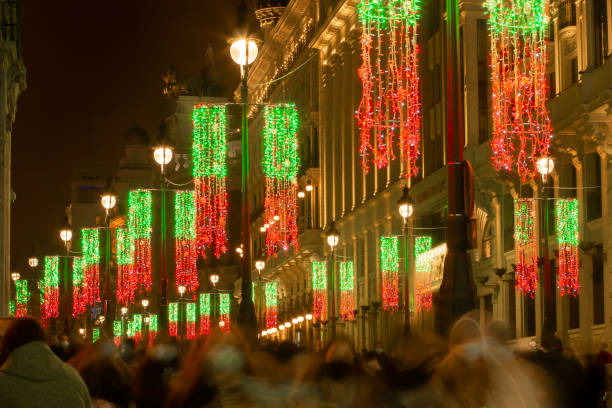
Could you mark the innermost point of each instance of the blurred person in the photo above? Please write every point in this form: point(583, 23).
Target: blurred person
point(33, 376)
point(152, 376)
point(106, 375)
point(4, 323)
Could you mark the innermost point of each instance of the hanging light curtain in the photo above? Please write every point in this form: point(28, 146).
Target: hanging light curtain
point(127, 282)
point(173, 319)
point(50, 308)
point(347, 291)
point(79, 298)
point(521, 126)
point(185, 248)
point(90, 245)
point(153, 329)
point(319, 290)
point(22, 295)
point(139, 229)
point(525, 246)
point(271, 290)
point(224, 311)
point(190, 311)
point(209, 174)
point(422, 273)
point(566, 219)
point(389, 264)
point(390, 108)
point(205, 313)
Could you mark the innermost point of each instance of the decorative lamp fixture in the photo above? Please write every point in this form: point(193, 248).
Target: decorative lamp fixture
point(332, 235)
point(182, 289)
point(309, 317)
point(108, 197)
point(145, 303)
point(244, 51)
point(301, 194)
point(15, 276)
point(33, 261)
point(124, 310)
point(545, 166)
point(66, 231)
point(300, 319)
point(260, 264)
point(162, 152)
point(294, 321)
point(308, 186)
point(405, 205)
point(214, 279)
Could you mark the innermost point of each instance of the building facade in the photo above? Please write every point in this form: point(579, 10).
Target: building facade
point(310, 57)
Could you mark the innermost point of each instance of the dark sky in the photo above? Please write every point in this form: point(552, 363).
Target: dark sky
point(93, 70)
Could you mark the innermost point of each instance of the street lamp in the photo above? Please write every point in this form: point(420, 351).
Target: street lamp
point(405, 206)
point(181, 291)
point(241, 53)
point(308, 186)
point(15, 276)
point(145, 302)
point(33, 261)
point(301, 194)
point(162, 153)
point(260, 264)
point(333, 238)
point(214, 278)
point(545, 166)
point(108, 197)
point(66, 232)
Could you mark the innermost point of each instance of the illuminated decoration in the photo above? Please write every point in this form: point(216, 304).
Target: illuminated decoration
point(280, 166)
point(422, 266)
point(90, 261)
point(271, 290)
point(224, 311)
point(209, 174)
point(190, 311)
point(153, 328)
point(95, 334)
point(389, 264)
point(127, 281)
point(22, 295)
point(521, 126)
point(347, 291)
point(50, 307)
point(173, 319)
point(525, 245)
point(137, 328)
point(205, 313)
point(319, 290)
point(130, 329)
point(566, 225)
point(390, 105)
point(185, 248)
point(117, 332)
point(12, 307)
point(79, 299)
point(139, 221)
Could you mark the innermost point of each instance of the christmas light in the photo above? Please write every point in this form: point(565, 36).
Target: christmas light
point(153, 329)
point(137, 318)
point(173, 319)
point(521, 126)
point(525, 246)
point(280, 164)
point(389, 264)
point(117, 332)
point(190, 311)
point(127, 281)
point(319, 290)
point(566, 225)
point(423, 295)
point(186, 251)
point(390, 105)
point(130, 329)
point(224, 311)
point(79, 297)
point(95, 334)
point(12, 307)
point(347, 291)
point(271, 290)
point(139, 221)
point(209, 174)
point(90, 245)
point(50, 308)
point(22, 295)
point(205, 313)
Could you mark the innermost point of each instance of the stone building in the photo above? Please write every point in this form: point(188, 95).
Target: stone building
point(12, 83)
point(316, 45)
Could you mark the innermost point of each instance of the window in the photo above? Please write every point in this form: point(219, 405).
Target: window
point(592, 164)
point(598, 286)
point(89, 194)
point(600, 28)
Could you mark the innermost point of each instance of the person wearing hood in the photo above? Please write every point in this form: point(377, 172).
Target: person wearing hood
point(33, 376)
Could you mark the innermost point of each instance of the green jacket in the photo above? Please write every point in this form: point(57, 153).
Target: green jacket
point(34, 376)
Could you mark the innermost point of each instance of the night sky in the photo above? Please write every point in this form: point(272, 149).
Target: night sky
point(93, 71)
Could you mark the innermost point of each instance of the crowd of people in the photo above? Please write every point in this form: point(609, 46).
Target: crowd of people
point(474, 367)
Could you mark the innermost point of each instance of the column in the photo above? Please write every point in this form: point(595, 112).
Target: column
point(605, 197)
point(335, 111)
point(354, 45)
point(324, 136)
point(470, 64)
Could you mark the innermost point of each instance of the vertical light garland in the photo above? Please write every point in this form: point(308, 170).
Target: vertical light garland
point(130, 329)
point(422, 273)
point(139, 222)
point(566, 225)
point(205, 313)
point(389, 264)
point(11, 307)
point(117, 332)
point(190, 311)
point(95, 334)
point(22, 295)
point(525, 246)
point(347, 290)
point(153, 329)
point(319, 290)
point(50, 308)
point(79, 299)
point(90, 245)
point(173, 319)
point(137, 328)
point(185, 248)
point(224, 311)
point(209, 174)
point(271, 290)
point(521, 126)
point(127, 281)
point(390, 105)
point(280, 164)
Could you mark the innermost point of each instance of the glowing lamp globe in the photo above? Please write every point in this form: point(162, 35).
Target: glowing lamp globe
point(332, 235)
point(241, 48)
point(308, 317)
point(264, 333)
point(260, 264)
point(33, 261)
point(294, 321)
point(545, 166)
point(15, 276)
point(287, 325)
point(101, 318)
point(405, 204)
point(147, 319)
point(300, 319)
point(262, 229)
point(181, 290)
point(221, 323)
point(162, 155)
point(214, 278)
point(301, 194)
point(308, 186)
point(108, 201)
point(82, 331)
point(282, 327)
point(145, 302)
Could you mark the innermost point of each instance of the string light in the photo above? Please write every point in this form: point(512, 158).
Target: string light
point(389, 264)
point(95, 334)
point(190, 311)
point(173, 319)
point(50, 308)
point(209, 174)
point(137, 328)
point(153, 328)
point(224, 311)
point(319, 290)
point(347, 291)
point(139, 229)
point(186, 252)
point(271, 290)
point(566, 226)
point(79, 296)
point(390, 105)
point(90, 245)
point(22, 295)
point(280, 164)
point(127, 282)
point(12, 307)
point(422, 247)
point(205, 313)
point(525, 245)
point(521, 126)
point(117, 332)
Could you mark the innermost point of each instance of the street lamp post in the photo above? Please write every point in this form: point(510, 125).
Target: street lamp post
point(182, 311)
point(545, 166)
point(214, 278)
point(333, 238)
point(66, 236)
point(244, 52)
point(108, 199)
point(406, 209)
point(260, 264)
point(124, 311)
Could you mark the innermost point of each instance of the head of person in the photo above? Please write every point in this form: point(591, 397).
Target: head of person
point(22, 331)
